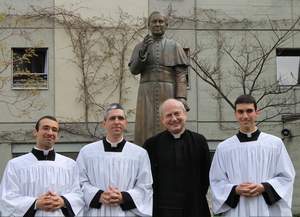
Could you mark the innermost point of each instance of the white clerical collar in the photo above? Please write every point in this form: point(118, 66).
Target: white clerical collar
point(46, 152)
point(178, 135)
point(249, 134)
point(114, 144)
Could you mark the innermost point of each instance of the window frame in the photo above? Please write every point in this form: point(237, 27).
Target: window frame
point(287, 52)
point(44, 85)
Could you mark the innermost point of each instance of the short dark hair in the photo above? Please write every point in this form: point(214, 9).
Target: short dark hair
point(245, 99)
point(111, 107)
point(37, 125)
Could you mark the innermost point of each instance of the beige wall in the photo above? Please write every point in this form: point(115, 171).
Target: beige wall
point(106, 8)
point(67, 75)
point(61, 98)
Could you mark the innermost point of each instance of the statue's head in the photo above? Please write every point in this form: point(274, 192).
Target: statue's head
point(157, 24)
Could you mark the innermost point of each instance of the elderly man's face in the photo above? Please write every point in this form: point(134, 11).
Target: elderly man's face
point(173, 116)
point(157, 25)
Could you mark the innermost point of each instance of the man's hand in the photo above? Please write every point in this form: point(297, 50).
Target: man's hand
point(44, 202)
point(49, 202)
point(249, 189)
point(112, 197)
point(116, 196)
point(145, 44)
point(57, 201)
point(105, 198)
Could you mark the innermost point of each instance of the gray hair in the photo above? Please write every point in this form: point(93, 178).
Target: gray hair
point(161, 107)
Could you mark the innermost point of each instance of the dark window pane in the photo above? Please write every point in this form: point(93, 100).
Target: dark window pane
point(29, 67)
point(287, 52)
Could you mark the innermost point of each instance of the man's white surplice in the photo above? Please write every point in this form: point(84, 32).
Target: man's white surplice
point(128, 171)
point(25, 178)
point(264, 160)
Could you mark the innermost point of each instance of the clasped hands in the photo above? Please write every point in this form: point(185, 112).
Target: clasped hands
point(248, 189)
point(49, 202)
point(112, 197)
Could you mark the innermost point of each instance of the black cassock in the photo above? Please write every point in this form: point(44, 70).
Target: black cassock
point(180, 169)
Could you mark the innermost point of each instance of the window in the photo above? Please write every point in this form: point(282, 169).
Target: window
point(288, 66)
point(30, 68)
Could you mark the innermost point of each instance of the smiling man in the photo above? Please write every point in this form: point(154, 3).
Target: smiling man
point(162, 64)
point(180, 165)
point(115, 174)
point(251, 172)
point(42, 182)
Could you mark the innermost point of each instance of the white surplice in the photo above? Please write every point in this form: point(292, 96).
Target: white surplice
point(264, 160)
point(128, 171)
point(25, 178)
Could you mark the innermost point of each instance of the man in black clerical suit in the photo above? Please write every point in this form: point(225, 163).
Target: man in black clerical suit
point(180, 166)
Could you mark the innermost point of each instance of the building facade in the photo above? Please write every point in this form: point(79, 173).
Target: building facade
point(69, 60)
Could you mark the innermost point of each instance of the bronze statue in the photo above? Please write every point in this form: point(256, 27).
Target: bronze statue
point(162, 64)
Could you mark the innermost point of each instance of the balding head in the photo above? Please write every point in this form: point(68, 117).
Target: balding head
point(170, 103)
point(173, 115)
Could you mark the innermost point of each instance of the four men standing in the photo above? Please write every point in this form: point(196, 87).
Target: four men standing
point(251, 172)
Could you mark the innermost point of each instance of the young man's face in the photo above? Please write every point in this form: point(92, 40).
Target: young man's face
point(47, 134)
point(115, 123)
point(246, 115)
